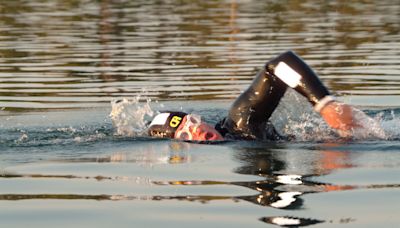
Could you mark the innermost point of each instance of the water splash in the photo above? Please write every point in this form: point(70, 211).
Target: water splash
point(129, 116)
point(391, 124)
point(23, 138)
point(370, 128)
point(294, 118)
point(311, 127)
point(308, 127)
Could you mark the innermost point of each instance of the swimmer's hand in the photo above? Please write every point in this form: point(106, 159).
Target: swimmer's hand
point(351, 122)
point(339, 116)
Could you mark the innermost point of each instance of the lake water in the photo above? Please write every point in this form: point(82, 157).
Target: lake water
point(63, 163)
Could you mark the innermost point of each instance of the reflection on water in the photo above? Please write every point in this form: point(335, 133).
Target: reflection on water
point(284, 175)
point(290, 221)
point(57, 54)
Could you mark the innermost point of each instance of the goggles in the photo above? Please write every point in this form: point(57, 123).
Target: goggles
point(193, 121)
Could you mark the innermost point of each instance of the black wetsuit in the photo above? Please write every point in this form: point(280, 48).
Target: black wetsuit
point(248, 117)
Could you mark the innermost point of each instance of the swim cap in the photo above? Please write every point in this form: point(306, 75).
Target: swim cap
point(165, 124)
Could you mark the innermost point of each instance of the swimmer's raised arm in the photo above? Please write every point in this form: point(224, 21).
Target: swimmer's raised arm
point(295, 73)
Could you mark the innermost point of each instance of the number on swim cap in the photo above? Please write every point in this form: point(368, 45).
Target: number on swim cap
point(175, 121)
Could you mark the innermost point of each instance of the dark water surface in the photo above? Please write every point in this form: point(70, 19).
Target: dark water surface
point(64, 164)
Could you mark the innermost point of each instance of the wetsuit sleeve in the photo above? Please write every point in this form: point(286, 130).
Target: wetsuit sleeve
point(249, 114)
point(294, 72)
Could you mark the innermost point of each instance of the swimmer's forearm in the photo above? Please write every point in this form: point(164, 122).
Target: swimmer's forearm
point(295, 73)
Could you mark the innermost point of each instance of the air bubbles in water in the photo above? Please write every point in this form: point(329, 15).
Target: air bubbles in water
point(129, 115)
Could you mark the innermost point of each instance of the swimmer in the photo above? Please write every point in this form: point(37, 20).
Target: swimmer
point(248, 117)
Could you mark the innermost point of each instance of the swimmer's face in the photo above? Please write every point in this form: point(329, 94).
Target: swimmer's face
point(192, 128)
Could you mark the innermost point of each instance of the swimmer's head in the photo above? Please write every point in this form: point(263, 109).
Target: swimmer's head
point(183, 126)
point(165, 124)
